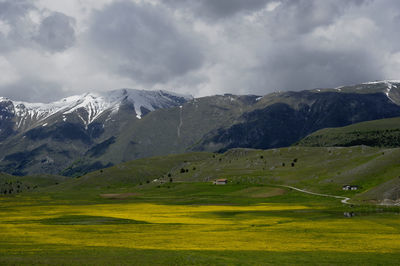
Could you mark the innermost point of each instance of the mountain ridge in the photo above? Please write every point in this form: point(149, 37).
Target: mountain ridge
point(91, 131)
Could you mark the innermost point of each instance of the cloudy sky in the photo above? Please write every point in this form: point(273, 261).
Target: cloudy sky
point(55, 48)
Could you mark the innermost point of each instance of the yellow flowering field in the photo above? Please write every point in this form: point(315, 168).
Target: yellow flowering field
point(275, 227)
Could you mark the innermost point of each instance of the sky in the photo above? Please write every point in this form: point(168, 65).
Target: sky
point(50, 49)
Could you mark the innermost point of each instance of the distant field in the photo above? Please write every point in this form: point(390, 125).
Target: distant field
point(194, 223)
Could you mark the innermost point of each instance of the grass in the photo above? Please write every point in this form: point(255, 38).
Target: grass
point(126, 256)
point(194, 223)
point(132, 214)
point(378, 133)
point(87, 220)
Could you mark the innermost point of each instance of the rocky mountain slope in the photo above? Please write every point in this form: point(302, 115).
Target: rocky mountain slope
point(37, 137)
point(82, 133)
point(281, 119)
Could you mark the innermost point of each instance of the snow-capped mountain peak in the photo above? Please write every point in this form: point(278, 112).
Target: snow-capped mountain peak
point(92, 105)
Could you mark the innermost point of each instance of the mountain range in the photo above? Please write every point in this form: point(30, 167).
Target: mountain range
point(82, 133)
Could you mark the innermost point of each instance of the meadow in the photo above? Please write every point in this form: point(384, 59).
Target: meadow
point(194, 223)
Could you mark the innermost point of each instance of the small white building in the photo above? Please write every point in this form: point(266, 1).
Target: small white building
point(349, 187)
point(220, 182)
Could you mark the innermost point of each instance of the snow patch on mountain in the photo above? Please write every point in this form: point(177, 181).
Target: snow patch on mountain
point(90, 106)
point(389, 81)
point(390, 84)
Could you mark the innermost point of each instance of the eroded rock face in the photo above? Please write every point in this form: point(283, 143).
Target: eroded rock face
point(6, 119)
point(282, 124)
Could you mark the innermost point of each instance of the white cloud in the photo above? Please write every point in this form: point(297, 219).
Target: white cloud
point(8, 72)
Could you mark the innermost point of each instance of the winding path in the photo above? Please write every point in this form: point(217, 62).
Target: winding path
point(344, 200)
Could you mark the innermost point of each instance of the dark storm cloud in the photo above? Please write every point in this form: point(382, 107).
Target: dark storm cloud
point(298, 68)
point(292, 44)
point(12, 10)
point(218, 9)
point(300, 58)
point(144, 42)
point(302, 13)
point(295, 17)
point(305, 44)
point(13, 14)
point(56, 32)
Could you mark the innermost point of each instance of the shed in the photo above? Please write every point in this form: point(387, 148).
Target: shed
point(350, 187)
point(220, 182)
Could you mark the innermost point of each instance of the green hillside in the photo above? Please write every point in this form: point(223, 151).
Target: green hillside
point(322, 170)
point(11, 185)
point(317, 169)
point(377, 133)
